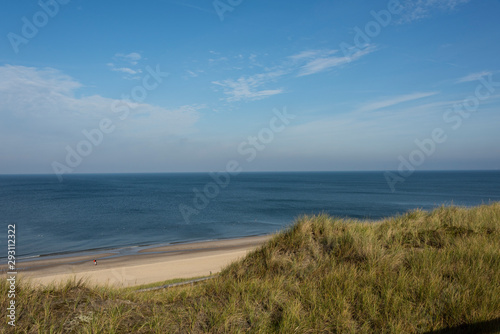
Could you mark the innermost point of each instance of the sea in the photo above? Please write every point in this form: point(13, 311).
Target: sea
point(123, 213)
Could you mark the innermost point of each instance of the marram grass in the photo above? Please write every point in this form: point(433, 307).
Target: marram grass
point(434, 272)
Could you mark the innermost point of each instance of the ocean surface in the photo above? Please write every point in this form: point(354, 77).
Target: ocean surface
point(97, 212)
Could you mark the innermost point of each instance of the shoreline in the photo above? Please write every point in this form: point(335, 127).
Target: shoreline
point(121, 250)
point(148, 265)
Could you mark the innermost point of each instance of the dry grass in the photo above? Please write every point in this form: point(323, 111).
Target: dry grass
point(420, 272)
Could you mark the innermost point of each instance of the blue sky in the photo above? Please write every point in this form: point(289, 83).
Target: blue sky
point(364, 81)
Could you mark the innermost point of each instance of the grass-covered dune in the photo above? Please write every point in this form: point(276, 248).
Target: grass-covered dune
point(435, 272)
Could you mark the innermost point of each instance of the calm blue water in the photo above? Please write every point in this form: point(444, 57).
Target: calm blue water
point(116, 210)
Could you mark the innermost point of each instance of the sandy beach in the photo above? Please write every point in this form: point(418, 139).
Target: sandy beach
point(147, 266)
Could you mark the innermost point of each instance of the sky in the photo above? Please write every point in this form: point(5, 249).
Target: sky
point(91, 86)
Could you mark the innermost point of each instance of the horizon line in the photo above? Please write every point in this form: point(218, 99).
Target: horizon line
point(255, 172)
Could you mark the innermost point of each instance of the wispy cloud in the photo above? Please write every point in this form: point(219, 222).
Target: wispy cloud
point(30, 80)
point(126, 70)
point(473, 76)
point(376, 105)
point(421, 9)
point(249, 88)
point(320, 62)
point(131, 58)
point(42, 103)
point(194, 73)
point(310, 54)
point(126, 64)
point(217, 60)
point(253, 87)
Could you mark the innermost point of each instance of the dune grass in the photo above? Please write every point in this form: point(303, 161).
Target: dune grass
point(420, 272)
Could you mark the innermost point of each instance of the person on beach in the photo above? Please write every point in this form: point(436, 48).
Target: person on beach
point(95, 262)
